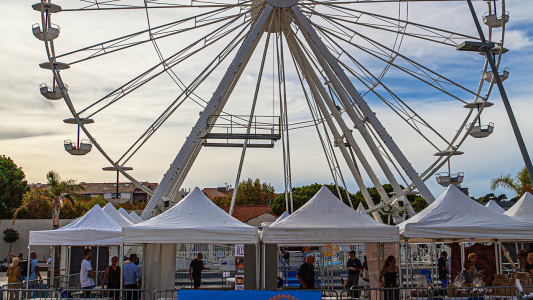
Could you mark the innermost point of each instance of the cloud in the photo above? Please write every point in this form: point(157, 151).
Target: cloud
point(12, 134)
point(517, 40)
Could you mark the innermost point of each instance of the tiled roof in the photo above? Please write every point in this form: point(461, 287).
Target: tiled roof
point(245, 213)
point(94, 188)
point(211, 193)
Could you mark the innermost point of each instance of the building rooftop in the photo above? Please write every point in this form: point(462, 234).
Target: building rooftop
point(212, 193)
point(244, 213)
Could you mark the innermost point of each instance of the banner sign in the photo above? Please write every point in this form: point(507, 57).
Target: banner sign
point(249, 295)
point(239, 267)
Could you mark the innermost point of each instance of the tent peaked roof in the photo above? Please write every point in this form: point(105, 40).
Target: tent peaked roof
point(195, 219)
point(94, 228)
point(522, 207)
point(124, 213)
point(454, 215)
point(283, 216)
point(136, 217)
point(113, 213)
point(324, 218)
point(494, 206)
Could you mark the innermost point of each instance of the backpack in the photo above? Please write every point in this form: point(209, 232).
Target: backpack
point(24, 267)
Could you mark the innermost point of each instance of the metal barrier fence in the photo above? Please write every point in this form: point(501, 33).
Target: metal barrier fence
point(123, 294)
point(389, 293)
point(19, 294)
point(393, 293)
point(211, 279)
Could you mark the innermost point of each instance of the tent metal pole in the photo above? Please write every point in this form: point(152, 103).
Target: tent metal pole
point(263, 271)
point(407, 283)
point(400, 262)
point(496, 256)
point(121, 263)
point(29, 267)
point(143, 268)
point(97, 263)
point(257, 266)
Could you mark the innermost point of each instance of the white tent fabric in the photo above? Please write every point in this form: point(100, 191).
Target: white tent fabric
point(135, 217)
point(195, 219)
point(494, 206)
point(95, 228)
point(455, 216)
point(325, 219)
point(124, 213)
point(113, 213)
point(522, 207)
point(283, 216)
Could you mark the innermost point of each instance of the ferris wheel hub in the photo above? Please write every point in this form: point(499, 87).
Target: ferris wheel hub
point(282, 3)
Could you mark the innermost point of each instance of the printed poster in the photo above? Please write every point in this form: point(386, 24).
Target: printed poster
point(239, 267)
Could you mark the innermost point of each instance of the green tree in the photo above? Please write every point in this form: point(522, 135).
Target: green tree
point(13, 185)
point(10, 236)
point(300, 196)
point(520, 184)
point(250, 192)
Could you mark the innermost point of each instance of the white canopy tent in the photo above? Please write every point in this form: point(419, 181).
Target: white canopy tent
point(283, 216)
point(195, 219)
point(135, 217)
point(113, 213)
point(494, 206)
point(325, 219)
point(523, 208)
point(454, 216)
point(124, 213)
point(360, 207)
point(95, 228)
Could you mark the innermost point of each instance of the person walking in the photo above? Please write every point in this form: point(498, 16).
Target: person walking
point(443, 268)
point(34, 271)
point(388, 278)
point(195, 270)
point(306, 273)
point(13, 278)
point(87, 273)
point(112, 278)
point(354, 267)
point(132, 277)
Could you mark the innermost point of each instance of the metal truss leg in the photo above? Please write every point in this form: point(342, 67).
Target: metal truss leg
point(181, 165)
point(312, 81)
point(310, 34)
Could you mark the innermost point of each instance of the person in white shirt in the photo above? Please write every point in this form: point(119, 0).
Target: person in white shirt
point(87, 273)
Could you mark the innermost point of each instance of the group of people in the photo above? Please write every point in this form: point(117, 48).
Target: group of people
point(17, 273)
point(131, 275)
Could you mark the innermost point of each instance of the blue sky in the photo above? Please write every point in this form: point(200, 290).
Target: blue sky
point(32, 131)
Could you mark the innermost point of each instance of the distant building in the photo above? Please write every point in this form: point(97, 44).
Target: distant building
point(126, 189)
point(213, 193)
point(252, 215)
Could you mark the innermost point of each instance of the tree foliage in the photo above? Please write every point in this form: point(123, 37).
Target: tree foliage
point(519, 184)
point(13, 185)
point(11, 235)
point(301, 195)
point(250, 192)
point(492, 197)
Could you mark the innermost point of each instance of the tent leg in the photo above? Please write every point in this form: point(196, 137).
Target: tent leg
point(142, 265)
point(29, 267)
point(257, 267)
point(496, 256)
point(400, 263)
point(121, 263)
point(263, 283)
point(407, 283)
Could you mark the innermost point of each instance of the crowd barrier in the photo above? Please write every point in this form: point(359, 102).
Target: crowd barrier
point(396, 293)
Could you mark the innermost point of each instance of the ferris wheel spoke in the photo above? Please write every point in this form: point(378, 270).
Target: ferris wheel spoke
point(395, 25)
point(420, 72)
point(184, 95)
point(160, 68)
point(111, 5)
point(401, 108)
point(159, 32)
point(384, 1)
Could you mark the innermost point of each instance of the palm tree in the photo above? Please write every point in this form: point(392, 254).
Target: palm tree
point(57, 191)
point(520, 184)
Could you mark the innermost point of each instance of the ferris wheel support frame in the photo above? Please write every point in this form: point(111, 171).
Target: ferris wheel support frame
point(319, 94)
point(190, 149)
point(363, 106)
point(510, 114)
point(360, 126)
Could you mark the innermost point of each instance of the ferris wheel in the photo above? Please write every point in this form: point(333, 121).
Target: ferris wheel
point(342, 59)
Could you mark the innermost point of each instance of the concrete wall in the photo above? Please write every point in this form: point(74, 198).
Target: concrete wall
point(24, 227)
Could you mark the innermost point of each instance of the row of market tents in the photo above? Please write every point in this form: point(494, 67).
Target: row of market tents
point(324, 218)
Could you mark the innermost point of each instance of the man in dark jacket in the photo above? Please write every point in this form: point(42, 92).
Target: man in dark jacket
point(443, 268)
point(306, 274)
